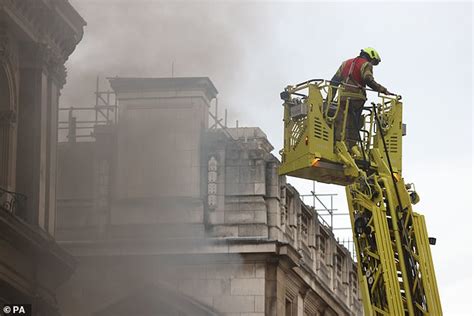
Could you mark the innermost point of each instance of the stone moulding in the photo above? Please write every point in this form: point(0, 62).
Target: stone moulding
point(53, 25)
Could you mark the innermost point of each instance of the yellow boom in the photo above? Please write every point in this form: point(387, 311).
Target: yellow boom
point(395, 268)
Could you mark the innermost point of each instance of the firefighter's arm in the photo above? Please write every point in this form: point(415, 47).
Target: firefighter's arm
point(335, 82)
point(368, 77)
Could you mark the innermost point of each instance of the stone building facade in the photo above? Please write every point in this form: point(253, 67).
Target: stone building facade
point(166, 216)
point(36, 38)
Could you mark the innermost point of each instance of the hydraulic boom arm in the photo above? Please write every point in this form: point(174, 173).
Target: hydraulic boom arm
point(395, 268)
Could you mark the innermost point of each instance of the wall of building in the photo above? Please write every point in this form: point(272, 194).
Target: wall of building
point(32, 72)
point(222, 283)
point(253, 201)
point(200, 210)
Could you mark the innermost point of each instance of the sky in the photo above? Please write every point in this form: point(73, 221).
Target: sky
point(251, 50)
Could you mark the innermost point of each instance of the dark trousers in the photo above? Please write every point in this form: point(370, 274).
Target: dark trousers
point(354, 121)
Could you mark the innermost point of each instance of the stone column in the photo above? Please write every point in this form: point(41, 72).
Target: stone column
point(56, 81)
point(7, 131)
point(41, 76)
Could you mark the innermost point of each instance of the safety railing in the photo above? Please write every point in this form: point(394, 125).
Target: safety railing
point(79, 123)
point(323, 205)
point(84, 128)
point(332, 105)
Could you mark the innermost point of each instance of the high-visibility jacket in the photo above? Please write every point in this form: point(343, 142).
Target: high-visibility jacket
point(352, 69)
point(360, 75)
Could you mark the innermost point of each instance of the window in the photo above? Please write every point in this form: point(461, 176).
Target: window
point(304, 227)
point(322, 245)
point(353, 281)
point(338, 264)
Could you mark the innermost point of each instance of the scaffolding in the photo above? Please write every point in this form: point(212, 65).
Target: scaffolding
point(323, 205)
point(78, 123)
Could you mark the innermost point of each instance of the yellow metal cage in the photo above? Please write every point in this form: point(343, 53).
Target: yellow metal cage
point(310, 150)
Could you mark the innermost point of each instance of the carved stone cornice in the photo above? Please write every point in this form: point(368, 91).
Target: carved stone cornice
point(53, 62)
point(54, 22)
point(53, 25)
point(42, 56)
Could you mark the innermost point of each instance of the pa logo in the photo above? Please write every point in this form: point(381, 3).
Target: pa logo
point(17, 309)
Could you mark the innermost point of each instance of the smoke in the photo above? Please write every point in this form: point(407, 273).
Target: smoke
point(158, 39)
point(164, 39)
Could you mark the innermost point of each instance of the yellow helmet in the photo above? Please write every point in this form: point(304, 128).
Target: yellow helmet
point(372, 53)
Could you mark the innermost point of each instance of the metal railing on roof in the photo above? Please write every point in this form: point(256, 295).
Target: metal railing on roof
point(81, 121)
point(78, 123)
point(325, 209)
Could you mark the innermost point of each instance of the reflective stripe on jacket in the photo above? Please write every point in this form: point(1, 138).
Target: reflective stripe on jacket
point(352, 71)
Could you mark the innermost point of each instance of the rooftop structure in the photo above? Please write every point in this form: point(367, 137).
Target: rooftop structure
point(155, 201)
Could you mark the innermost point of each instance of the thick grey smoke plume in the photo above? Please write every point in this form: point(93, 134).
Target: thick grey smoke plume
point(155, 39)
point(164, 38)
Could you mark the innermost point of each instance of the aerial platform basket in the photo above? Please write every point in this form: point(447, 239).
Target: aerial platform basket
point(310, 150)
point(308, 135)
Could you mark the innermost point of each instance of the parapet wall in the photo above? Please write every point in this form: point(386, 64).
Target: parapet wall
point(250, 199)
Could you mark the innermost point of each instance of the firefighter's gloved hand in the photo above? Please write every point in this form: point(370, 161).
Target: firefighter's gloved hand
point(385, 91)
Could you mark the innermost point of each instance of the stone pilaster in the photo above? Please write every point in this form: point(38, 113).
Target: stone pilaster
point(41, 80)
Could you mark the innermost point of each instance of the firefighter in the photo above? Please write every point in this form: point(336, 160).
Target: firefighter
point(356, 73)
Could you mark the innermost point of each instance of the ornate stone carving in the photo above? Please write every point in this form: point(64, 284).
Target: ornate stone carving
point(53, 61)
point(58, 34)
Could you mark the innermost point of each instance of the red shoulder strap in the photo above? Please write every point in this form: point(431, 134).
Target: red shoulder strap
point(352, 70)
